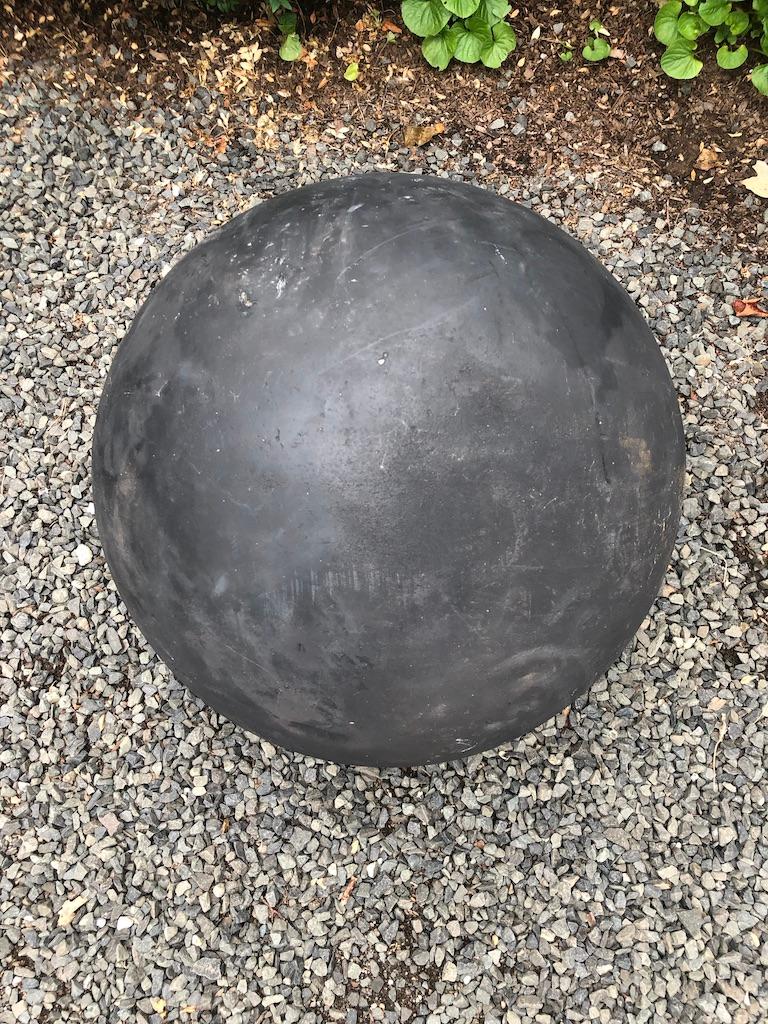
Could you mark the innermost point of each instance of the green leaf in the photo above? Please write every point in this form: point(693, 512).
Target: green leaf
point(730, 59)
point(492, 11)
point(764, 44)
point(714, 12)
point(760, 7)
point(665, 22)
point(721, 34)
point(503, 43)
point(566, 55)
point(291, 47)
point(472, 36)
point(596, 49)
point(353, 70)
point(690, 26)
point(596, 26)
point(425, 17)
point(679, 62)
point(438, 50)
point(759, 78)
point(738, 22)
point(287, 23)
point(461, 8)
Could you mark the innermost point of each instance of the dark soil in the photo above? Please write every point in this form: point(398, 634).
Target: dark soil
point(689, 143)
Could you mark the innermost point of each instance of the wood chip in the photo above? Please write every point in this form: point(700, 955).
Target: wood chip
point(348, 889)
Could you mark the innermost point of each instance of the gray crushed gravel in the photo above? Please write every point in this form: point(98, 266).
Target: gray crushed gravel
point(158, 864)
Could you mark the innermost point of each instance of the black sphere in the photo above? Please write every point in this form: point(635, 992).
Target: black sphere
point(388, 470)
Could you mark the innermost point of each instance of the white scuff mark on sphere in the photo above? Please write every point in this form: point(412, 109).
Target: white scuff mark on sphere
point(280, 285)
point(383, 358)
point(245, 300)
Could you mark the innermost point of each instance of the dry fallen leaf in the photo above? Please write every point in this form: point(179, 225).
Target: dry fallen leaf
point(68, 910)
point(748, 307)
point(421, 134)
point(390, 26)
point(707, 159)
point(758, 184)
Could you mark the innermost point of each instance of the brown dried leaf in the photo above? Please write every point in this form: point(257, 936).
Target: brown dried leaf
point(421, 134)
point(748, 307)
point(706, 159)
point(390, 26)
point(68, 910)
point(759, 183)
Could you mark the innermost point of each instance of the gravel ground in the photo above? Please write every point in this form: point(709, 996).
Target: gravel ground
point(159, 864)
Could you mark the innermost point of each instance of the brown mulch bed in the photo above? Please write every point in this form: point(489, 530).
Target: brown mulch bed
point(611, 116)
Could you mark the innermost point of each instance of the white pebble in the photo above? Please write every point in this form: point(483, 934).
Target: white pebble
point(83, 554)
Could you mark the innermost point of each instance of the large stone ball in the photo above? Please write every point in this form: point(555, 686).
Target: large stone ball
point(388, 470)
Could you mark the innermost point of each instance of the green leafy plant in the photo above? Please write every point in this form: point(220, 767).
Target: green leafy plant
point(220, 6)
point(284, 14)
point(596, 47)
point(467, 30)
point(290, 48)
point(737, 27)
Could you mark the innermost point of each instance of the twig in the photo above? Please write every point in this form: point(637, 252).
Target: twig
point(720, 735)
point(348, 889)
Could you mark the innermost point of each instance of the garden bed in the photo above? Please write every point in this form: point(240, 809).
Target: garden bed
point(690, 142)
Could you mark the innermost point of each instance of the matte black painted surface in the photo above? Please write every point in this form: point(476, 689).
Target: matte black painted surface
point(388, 470)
